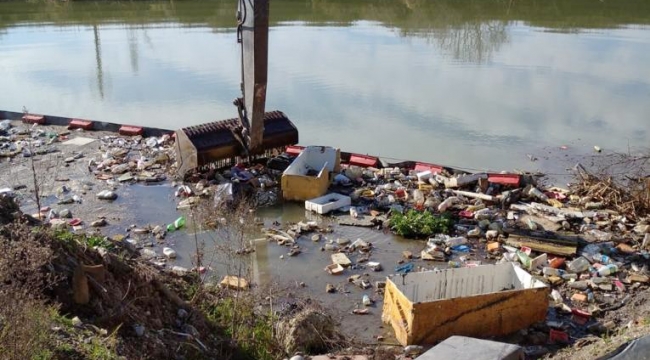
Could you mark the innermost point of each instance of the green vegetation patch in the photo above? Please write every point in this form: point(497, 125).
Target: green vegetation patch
point(419, 224)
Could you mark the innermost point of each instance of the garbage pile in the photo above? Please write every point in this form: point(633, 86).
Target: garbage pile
point(25, 141)
point(593, 257)
point(257, 183)
point(133, 159)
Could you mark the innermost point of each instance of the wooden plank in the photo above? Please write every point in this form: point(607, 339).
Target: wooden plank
point(550, 246)
point(494, 314)
point(398, 312)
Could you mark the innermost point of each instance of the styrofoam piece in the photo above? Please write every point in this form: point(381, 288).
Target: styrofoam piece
point(467, 348)
point(327, 203)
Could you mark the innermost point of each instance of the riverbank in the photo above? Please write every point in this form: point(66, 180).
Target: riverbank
point(146, 204)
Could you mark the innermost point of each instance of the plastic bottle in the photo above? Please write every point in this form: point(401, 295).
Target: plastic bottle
point(568, 276)
point(600, 235)
point(607, 270)
point(523, 258)
point(538, 194)
point(447, 203)
point(580, 285)
point(475, 232)
point(549, 271)
point(177, 224)
point(556, 296)
point(455, 241)
point(603, 259)
point(475, 208)
point(578, 265)
point(483, 214)
point(418, 197)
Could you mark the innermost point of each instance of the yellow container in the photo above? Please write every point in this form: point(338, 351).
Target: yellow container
point(482, 301)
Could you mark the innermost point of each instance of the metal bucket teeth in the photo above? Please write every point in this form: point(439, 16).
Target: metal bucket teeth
point(213, 142)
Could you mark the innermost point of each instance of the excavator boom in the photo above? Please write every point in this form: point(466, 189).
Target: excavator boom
point(254, 132)
point(253, 35)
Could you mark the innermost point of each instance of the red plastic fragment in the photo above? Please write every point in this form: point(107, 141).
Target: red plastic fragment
point(34, 119)
point(294, 150)
point(580, 317)
point(420, 167)
point(74, 222)
point(363, 160)
point(80, 124)
point(558, 336)
point(130, 130)
point(505, 179)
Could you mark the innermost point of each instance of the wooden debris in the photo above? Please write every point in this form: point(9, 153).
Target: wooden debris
point(560, 247)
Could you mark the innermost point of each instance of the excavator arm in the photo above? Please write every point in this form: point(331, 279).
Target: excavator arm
point(254, 132)
point(253, 35)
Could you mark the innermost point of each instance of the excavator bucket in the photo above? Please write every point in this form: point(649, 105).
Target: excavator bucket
point(214, 144)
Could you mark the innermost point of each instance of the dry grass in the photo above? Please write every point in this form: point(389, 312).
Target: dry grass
point(620, 181)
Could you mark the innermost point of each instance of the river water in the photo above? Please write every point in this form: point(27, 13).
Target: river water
point(471, 84)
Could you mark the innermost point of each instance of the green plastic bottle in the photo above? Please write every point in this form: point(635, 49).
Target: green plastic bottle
point(524, 259)
point(179, 223)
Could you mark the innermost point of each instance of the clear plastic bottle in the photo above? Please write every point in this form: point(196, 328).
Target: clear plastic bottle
point(578, 265)
point(603, 259)
point(455, 241)
point(579, 285)
point(523, 258)
point(549, 271)
point(533, 191)
point(556, 296)
point(568, 276)
point(449, 202)
point(418, 197)
point(607, 270)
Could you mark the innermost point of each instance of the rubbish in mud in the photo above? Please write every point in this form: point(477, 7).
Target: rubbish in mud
point(169, 253)
point(341, 259)
point(503, 299)
point(234, 283)
point(335, 269)
point(107, 195)
point(329, 288)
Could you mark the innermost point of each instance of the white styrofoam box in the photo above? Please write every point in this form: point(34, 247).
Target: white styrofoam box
point(327, 203)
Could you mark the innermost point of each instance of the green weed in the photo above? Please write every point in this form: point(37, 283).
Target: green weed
point(416, 224)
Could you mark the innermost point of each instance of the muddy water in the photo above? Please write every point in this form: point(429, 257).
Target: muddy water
point(270, 263)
